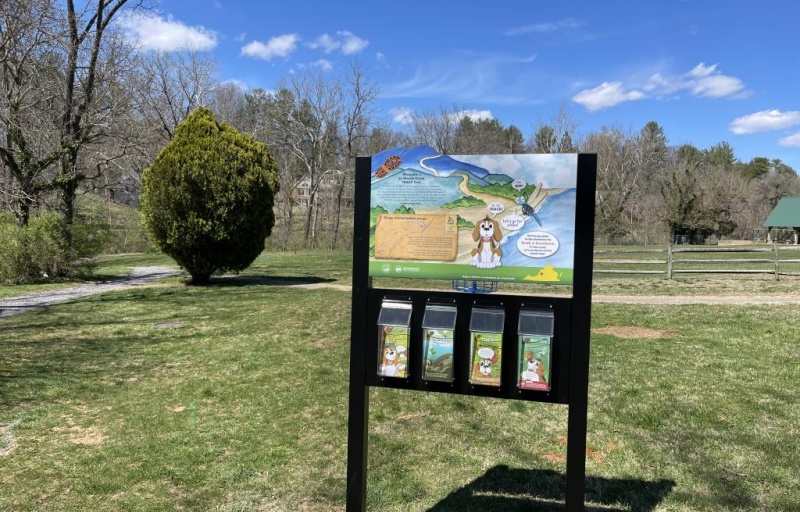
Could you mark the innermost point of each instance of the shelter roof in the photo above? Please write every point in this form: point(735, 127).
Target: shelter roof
point(785, 215)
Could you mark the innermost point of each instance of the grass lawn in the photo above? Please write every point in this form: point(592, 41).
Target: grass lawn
point(244, 407)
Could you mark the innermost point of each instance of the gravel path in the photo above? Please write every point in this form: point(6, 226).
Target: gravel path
point(140, 275)
point(144, 275)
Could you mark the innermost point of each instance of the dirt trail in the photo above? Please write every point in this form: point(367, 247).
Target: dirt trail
point(10, 306)
point(145, 275)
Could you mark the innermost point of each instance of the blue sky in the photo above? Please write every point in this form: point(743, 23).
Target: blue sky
point(706, 70)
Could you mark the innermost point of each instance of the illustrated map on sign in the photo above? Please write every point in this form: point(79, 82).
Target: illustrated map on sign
point(484, 217)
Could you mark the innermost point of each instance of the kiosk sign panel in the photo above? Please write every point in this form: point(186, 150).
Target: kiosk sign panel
point(507, 218)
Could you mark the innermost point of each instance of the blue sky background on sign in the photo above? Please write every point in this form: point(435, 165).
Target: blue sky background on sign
point(706, 70)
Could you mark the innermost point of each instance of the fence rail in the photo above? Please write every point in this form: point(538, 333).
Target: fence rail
point(687, 260)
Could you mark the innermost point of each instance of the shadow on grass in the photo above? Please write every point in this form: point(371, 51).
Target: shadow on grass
point(36, 366)
point(248, 280)
point(539, 490)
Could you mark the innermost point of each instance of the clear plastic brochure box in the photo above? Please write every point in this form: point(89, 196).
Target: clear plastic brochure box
point(438, 332)
point(535, 337)
point(394, 322)
point(486, 346)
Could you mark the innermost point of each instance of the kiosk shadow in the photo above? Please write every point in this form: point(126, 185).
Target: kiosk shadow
point(238, 280)
point(539, 490)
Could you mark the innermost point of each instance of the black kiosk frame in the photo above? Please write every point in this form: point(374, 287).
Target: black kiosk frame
point(566, 318)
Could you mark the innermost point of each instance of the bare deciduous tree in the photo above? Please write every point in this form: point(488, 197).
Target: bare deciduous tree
point(172, 85)
point(358, 110)
point(436, 129)
point(29, 36)
point(59, 64)
point(305, 117)
point(619, 169)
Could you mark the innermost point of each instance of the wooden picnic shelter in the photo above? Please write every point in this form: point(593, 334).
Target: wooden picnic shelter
point(785, 215)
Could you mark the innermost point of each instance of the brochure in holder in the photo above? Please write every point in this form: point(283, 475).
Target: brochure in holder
point(535, 331)
point(486, 335)
point(438, 330)
point(394, 320)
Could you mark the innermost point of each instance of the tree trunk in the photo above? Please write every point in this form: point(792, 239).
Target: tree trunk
point(23, 210)
point(310, 217)
point(337, 215)
point(69, 190)
point(288, 220)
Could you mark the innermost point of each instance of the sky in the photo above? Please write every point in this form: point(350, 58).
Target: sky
point(707, 71)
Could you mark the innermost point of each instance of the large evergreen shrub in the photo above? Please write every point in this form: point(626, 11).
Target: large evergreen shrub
point(207, 199)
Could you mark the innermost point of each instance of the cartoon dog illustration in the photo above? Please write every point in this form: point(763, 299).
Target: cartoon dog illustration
point(391, 363)
point(535, 371)
point(485, 367)
point(487, 254)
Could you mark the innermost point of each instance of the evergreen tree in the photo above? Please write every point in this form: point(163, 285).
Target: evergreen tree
point(515, 141)
point(757, 168)
point(721, 156)
point(654, 144)
point(207, 199)
point(545, 140)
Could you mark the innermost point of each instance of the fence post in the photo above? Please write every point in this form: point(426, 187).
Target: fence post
point(777, 259)
point(669, 260)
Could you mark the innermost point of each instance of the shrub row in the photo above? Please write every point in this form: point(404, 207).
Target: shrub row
point(35, 252)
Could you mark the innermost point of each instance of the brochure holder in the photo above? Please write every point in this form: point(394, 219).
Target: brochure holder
point(393, 338)
point(438, 331)
point(486, 346)
point(534, 340)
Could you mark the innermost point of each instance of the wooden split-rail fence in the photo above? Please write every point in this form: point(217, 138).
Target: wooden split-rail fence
point(777, 260)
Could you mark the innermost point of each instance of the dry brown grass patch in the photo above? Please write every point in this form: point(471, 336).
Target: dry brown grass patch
point(86, 436)
point(630, 332)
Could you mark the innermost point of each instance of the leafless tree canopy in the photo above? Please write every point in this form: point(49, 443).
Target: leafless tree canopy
point(81, 111)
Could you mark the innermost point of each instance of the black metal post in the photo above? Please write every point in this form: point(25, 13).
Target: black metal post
point(581, 325)
point(358, 412)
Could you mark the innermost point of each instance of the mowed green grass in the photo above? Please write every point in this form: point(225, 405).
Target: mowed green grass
point(245, 408)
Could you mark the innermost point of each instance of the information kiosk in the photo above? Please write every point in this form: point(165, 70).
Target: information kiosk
point(526, 221)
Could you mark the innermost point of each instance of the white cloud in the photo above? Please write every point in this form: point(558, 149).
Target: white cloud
point(325, 42)
point(405, 115)
point(239, 84)
point(703, 81)
point(707, 81)
point(702, 70)
point(153, 32)
point(278, 46)
point(240, 38)
point(471, 78)
point(475, 115)
point(764, 121)
point(351, 43)
point(543, 28)
point(402, 115)
point(381, 57)
point(323, 64)
point(606, 95)
point(790, 141)
point(344, 40)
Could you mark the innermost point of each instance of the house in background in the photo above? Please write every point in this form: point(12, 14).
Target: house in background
point(326, 192)
point(302, 192)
